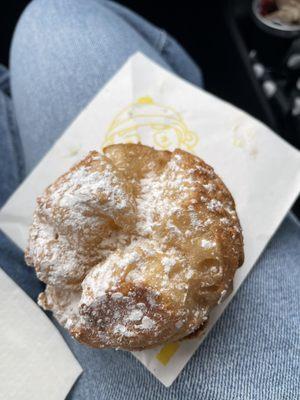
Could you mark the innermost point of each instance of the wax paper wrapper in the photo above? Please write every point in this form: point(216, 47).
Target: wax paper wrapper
point(145, 103)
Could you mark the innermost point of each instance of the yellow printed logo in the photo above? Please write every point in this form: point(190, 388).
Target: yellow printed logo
point(167, 352)
point(146, 117)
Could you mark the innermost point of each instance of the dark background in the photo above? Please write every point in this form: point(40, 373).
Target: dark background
point(218, 34)
point(199, 26)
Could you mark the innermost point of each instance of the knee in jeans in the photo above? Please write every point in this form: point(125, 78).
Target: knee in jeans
point(56, 15)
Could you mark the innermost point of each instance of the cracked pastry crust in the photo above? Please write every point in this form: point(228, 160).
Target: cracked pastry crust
point(135, 246)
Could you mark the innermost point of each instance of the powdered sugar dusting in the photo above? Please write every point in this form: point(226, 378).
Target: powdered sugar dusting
point(194, 216)
point(147, 323)
point(135, 315)
point(207, 244)
point(168, 263)
point(209, 186)
point(127, 246)
point(214, 205)
point(152, 204)
point(104, 189)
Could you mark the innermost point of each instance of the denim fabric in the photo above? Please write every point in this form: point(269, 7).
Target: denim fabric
point(63, 52)
point(12, 170)
point(11, 175)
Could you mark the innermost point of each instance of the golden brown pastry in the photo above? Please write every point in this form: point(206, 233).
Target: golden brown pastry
point(136, 246)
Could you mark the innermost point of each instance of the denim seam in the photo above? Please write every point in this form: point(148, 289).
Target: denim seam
point(162, 40)
point(16, 141)
point(4, 81)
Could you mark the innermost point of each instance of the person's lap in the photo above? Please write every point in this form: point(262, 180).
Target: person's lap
point(63, 52)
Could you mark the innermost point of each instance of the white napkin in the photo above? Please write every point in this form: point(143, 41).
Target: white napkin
point(143, 102)
point(35, 362)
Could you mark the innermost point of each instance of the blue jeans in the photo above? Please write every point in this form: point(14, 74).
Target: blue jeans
point(62, 53)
